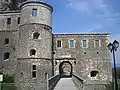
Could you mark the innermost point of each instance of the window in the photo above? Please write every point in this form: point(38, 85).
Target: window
point(59, 43)
point(36, 35)
point(32, 52)
point(6, 41)
point(75, 62)
point(18, 22)
point(84, 53)
point(34, 71)
point(84, 43)
point(93, 73)
point(71, 43)
point(6, 55)
point(34, 67)
point(97, 43)
point(33, 74)
point(8, 21)
point(34, 12)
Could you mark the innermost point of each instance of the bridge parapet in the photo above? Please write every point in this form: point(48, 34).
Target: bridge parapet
point(78, 81)
point(53, 81)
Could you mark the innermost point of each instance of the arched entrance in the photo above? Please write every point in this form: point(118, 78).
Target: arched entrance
point(65, 69)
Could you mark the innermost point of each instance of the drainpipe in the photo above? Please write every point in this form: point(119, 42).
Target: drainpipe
point(52, 55)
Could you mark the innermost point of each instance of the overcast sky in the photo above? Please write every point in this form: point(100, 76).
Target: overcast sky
point(87, 16)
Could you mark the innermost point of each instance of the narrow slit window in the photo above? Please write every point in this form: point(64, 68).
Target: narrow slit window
point(34, 12)
point(18, 22)
point(6, 55)
point(6, 41)
point(8, 21)
point(59, 43)
point(36, 35)
point(32, 52)
point(33, 74)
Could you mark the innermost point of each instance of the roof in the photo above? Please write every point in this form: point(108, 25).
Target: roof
point(7, 12)
point(39, 2)
point(83, 33)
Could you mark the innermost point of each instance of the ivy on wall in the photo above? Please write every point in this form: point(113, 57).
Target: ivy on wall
point(7, 78)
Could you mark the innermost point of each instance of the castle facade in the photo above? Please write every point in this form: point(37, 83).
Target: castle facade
point(30, 50)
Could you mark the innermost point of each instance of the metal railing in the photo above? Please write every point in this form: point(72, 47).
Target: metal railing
point(78, 81)
point(53, 81)
point(8, 86)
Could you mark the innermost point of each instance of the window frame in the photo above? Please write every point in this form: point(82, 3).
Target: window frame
point(6, 54)
point(73, 43)
point(36, 34)
point(34, 71)
point(6, 40)
point(31, 53)
point(34, 12)
point(95, 43)
point(9, 21)
point(18, 20)
point(57, 43)
point(86, 43)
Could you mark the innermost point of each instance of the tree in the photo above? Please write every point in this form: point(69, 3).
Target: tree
point(8, 82)
point(11, 5)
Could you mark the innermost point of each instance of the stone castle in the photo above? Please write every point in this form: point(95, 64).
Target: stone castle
point(30, 50)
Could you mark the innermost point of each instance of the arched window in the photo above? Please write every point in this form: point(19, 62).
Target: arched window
point(36, 35)
point(6, 55)
point(6, 41)
point(32, 52)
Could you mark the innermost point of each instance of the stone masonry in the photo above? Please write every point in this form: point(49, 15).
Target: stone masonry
point(28, 51)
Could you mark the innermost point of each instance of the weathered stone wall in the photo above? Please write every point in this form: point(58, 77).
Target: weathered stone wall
point(9, 65)
point(24, 78)
point(94, 59)
point(14, 19)
point(42, 45)
point(44, 13)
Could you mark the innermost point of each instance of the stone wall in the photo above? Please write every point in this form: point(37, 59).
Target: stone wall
point(87, 59)
point(8, 65)
point(24, 79)
point(14, 15)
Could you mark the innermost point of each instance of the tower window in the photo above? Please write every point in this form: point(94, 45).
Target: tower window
point(8, 21)
point(97, 43)
point(34, 67)
point(34, 12)
point(18, 22)
point(93, 73)
point(6, 55)
point(84, 43)
point(32, 52)
point(33, 74)
point(6, 41)
point(34, 71)
point(36, 35)
point(71, 43)
point(59, 43)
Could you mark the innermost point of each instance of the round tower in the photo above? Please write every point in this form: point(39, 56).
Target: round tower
point(35, 45)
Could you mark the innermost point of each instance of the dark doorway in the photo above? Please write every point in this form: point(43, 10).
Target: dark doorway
point(65, 69)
